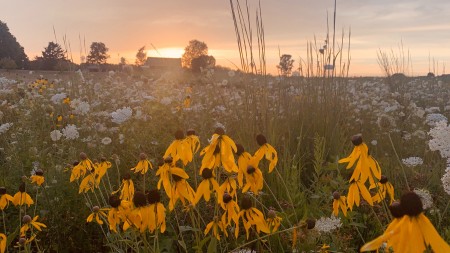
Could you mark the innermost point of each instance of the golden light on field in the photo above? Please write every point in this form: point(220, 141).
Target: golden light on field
point(167, 52)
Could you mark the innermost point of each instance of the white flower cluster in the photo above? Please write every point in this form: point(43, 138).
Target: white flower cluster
point(326, 225)
point(70, 132)
point(5, 127)
point(446, 180)
point(425, 197)
point(106, 141)
point(6, 81)
point(57, 98)
point(121, 115)
point(434, 118)
point(80, 107)
point(412, 161)
point(55, 135)
point(440, 139)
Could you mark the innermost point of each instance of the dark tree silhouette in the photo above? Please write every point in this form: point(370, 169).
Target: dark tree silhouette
point(141, 56)
point(52, 56)
point(286, 64)
point(202, 62)
point(10, 48)
point(98, 53)
point(193, 50)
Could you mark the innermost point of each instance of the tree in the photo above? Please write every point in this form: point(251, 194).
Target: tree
point(52, 57)
point(203, 62)
point(193, 50)
point(10, 48)
point(286, 64)
point(141, 56)
point(98, 53)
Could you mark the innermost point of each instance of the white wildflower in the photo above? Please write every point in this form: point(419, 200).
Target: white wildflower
point(446, 180)
point(106, 141)
point(121, 115)
point(5, 127)
point(57, 98)
point(231, 73)
point(325, 225)
point(80, 107)
point(166, 101)
point(425, 197)
point(433, 118)
point(55, 135)
point(70, 132)
point(121, 138)
point(374, 142)
point(440, 139)
point(412, 161)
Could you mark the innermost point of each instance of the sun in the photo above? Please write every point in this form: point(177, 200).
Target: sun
point(166, 52)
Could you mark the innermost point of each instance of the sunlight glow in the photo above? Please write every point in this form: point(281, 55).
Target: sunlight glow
point(168, 52)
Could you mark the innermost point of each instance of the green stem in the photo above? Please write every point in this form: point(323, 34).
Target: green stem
point(399, 161)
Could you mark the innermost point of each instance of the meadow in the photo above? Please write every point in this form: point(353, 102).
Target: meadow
point(170, 161)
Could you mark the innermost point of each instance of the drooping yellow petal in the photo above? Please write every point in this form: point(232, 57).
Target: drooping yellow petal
point(431, 236)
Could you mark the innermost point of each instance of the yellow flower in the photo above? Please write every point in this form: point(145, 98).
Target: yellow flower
point(140, 215)
point(187, 102)
point(28, 222)
point(339, 202)
point(97, 213)
point(80, 169)
point(273, 221)
point(179, 149)
point(157, 217)
point(3, 240)
point(220, 152)
point(127, 191)
point(215, 225)
point(88, 183)
point(356, 188)
point(254, 180)
point(180, 188)
point(21, 197)
point(366, 166)
point(231, 209)
point(193, 141)
point(251, 216)
point(66, 101)
point(4, 198)
point(23, 240)
point(38, 177)
point(118, 212)
point(101, 169)
point(164, 175)
point(143, 165)
point(384, 187)
point(411, 231)
point(207, 185)
point(243, 158)
point(229, 185)
point(266, 150)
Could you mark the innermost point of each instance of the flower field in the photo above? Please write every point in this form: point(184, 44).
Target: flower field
point(222, 161)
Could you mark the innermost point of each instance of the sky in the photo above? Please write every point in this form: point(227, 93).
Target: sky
point(415, 27)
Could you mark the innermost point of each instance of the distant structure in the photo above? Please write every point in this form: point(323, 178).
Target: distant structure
point(163, 63)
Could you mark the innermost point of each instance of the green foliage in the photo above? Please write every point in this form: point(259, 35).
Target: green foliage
point(98, 53)
point(7, 63)
point(193, 50)
point(10, 48)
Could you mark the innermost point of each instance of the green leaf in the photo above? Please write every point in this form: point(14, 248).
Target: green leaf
point(357, 224)
point(182, 244)
point(212, 247)
point(11, 237)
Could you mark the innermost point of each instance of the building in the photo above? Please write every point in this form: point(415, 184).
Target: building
point(163, 63)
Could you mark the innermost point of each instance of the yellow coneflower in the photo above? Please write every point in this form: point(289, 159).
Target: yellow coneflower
point(28, 222)
point(220, 152)
point(266, 150)
point(339, 202)
point(179, 149)
point(38, 177)
point(243, 158)
point(22, 197)
point(118, 212)
point(413, 232)
point(231, 209)
point(80, 168)
point(4, 198)
point(214, 226)
point(66, 101)
point(207, 185)
point(273, 220)
point(193, 141)
point(355, 191)
point(157, 218)
point(101, 169)
point(229, 185)
point(251, 216)
point(143, 165)
point(164, 175)
point(187, 102)
point(254, 180)
point(127, 191)
point(366, 166)
point(140, 214)
point(97, 213)
point(3, 240)
point(384, 187)
point(180, 188)
point(23, 240)
point(88, 183)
